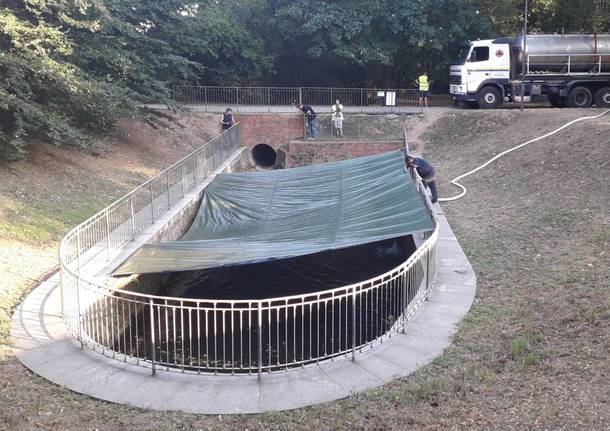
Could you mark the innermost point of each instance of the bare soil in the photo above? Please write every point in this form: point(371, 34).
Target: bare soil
point(531, 354)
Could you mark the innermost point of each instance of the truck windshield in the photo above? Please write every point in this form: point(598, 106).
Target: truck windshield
point(462, 54)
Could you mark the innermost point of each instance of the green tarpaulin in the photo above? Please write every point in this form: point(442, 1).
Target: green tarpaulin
point(258, 216)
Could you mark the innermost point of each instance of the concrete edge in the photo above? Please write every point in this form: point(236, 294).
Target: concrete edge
point(42, 343)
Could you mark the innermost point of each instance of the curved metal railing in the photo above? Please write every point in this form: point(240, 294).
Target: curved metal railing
point(237, 336)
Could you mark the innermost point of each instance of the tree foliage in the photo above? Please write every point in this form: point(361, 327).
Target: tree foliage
point(71, 69)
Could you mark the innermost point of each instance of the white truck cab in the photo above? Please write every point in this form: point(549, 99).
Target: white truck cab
point(482, 73)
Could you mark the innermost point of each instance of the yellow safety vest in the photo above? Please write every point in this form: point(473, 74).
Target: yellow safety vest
point(424, 85)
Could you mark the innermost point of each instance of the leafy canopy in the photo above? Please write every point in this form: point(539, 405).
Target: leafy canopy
point(73, 69)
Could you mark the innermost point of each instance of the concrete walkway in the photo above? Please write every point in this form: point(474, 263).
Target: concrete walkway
point(43, 345)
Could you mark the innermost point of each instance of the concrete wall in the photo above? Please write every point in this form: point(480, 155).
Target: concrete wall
point(177, 226)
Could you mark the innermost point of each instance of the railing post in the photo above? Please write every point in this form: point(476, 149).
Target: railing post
point(260, 341)
point(237, 98)
point(354, 324)
point(152, 203)
point(427, 272)
point(300, 94)
point(405, 296)
point(182, 178)
point(78, 325)
point(107, 235)
point(205, 99)
point(194, 170)
point(169, 202)
point(78, 248)
point(133, 219)
point(362, 93)
point(269, 98)
point(152, 336)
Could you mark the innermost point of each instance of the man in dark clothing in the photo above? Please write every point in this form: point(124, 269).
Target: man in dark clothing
point(227, 119)
point(426, 172)
point(312, 122)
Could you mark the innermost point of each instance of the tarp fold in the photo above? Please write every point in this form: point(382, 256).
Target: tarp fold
point(258, 216)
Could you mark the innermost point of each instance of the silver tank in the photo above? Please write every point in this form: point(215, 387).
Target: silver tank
point(548, 53)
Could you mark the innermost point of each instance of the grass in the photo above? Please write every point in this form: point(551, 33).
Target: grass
point(532, 352)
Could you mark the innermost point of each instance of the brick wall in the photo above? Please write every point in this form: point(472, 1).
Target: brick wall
point(299, 153)
point(271, 129)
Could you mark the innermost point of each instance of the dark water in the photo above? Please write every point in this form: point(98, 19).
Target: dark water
point(304, 274)
point(220, 339)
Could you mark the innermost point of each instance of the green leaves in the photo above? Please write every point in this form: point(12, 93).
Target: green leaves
point(72, 69)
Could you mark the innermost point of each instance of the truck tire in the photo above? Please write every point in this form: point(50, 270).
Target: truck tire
point(602, 97)
point(580, 97)
point(489, 98)
point(557, 101)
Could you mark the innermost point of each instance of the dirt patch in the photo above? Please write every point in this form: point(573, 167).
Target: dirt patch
point(531, 354)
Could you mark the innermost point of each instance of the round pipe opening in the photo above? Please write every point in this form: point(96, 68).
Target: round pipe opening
point(264, 156)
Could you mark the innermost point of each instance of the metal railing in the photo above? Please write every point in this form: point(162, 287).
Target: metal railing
point(237, 336)
point(100, 237)
point(568, 64)
point(357, 127)
point(283, 99)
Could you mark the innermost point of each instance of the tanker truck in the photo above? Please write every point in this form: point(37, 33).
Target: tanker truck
point(571, 70)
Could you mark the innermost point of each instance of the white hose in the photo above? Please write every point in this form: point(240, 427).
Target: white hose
point(496, 157)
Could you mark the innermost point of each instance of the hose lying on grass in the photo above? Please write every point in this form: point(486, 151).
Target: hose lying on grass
point(496, 157)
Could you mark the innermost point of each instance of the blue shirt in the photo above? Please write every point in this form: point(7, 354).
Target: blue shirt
point(424, 168)
point(227, 121)
point(310, 113)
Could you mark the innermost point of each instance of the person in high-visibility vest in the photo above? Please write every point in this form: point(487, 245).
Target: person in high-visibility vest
point(424, 86)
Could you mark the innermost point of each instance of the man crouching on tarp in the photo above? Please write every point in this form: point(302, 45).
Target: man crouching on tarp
point(426, 172)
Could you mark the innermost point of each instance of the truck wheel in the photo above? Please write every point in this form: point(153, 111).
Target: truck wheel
point(602, 97)
point(580, 97)
point(489, 98)
point(557, 101)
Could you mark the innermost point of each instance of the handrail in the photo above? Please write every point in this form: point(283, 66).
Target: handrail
point(146, 328)
point(272, 99)
point(233, 133)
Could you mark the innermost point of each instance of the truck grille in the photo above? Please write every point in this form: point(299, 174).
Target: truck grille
point(455, 79)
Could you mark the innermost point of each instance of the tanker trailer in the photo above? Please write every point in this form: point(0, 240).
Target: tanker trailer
point(571, 70)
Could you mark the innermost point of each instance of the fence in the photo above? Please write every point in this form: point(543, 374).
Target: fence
point(281, 99)
point(101, 236)
point(232, 336)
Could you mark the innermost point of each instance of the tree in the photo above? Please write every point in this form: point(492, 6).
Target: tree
point(391, 39)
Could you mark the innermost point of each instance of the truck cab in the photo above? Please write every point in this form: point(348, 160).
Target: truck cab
point(481, 75)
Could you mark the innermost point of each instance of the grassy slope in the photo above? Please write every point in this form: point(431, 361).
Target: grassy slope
point(41, 198)
point(531, 354)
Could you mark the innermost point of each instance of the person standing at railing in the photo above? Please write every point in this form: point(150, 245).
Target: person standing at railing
point(312, 121)
point(427, 173)
point(227, 119)
point(423, 83)
point(337, 118)
point(336, 107)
